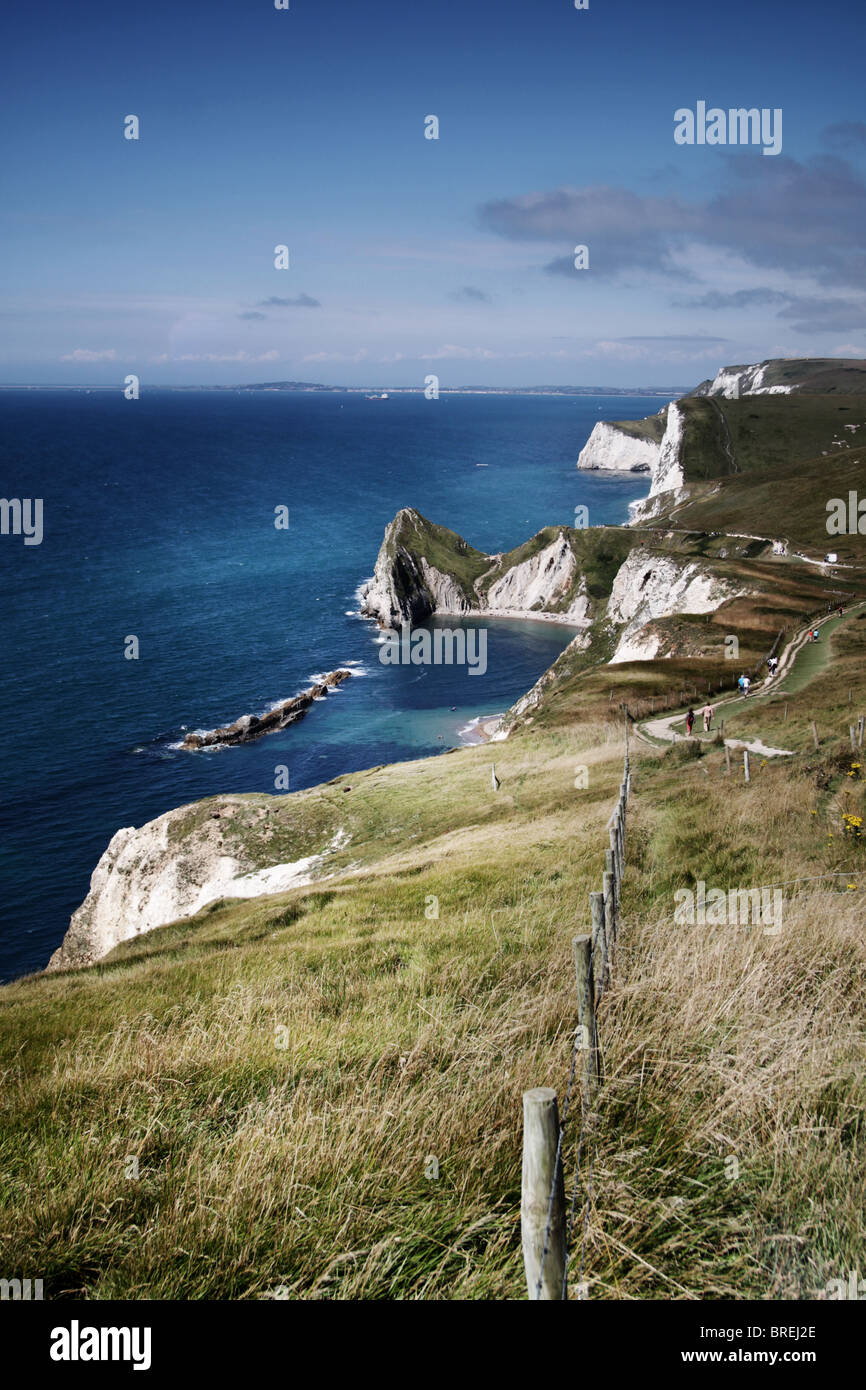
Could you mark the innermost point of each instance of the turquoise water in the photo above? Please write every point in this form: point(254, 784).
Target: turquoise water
point(159, 523)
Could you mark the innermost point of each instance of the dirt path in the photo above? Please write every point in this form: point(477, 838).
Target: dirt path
point(663, 731)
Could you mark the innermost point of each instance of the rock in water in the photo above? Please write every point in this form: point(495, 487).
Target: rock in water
point(252, 726)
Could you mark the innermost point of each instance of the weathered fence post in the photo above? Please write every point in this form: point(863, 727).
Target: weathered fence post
point(610, 915)
point(600, 942)
point(815, 732)
point(860, 724)
point(746, 764)
point(853, 737)
point(541, 1179)
point(786, 711)
point(584, 976)
point(727, 760)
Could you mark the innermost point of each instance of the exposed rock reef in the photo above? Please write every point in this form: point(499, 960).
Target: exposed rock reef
point(253, 726)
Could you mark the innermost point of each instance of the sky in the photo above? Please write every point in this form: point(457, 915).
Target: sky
point(305, 127)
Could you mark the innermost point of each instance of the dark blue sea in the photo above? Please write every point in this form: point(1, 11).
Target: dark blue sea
point(159, 524)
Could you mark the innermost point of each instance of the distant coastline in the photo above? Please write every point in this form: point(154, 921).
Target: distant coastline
point(307, 387)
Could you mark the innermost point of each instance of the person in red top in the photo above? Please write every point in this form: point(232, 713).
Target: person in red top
point(690, 721)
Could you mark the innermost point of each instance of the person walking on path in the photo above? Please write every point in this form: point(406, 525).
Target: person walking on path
point(746, 684)
point(690, 721)
point(708, 713)
point(741, 684)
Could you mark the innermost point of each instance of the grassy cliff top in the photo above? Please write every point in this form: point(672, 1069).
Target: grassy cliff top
point(824, 375)
point(285, 1070)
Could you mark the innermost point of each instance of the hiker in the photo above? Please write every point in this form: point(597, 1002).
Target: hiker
point(741, 684)
point(690, 721)
point(772, 663)
point(814, 634)
point(746, 684)
point(841, 609)
point(708, 713)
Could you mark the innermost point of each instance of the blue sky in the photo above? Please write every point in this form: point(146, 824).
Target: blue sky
point(411, 256)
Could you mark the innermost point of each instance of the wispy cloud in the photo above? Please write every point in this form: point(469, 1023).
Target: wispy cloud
point(336, 356)
point(469, 294)
point(301, 301)
point(272, 356)
point(807, 218)
point(808, 313)
point(90, 355)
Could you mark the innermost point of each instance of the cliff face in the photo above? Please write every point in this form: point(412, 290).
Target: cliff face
point(170, 868)
point(734, 382)
point(656, 449)
point(424, 570)
point(613, 450)
point(416, 572)
point(650, 586)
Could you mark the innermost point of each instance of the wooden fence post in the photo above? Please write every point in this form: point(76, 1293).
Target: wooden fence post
point(585, 980)
point(540, 1140)
point(853, 738)
point(860, 723)
point(746, 764)
point(786, 711)
point(610, 915)
point(815, 732)
point(599, 942)
point(727, 760)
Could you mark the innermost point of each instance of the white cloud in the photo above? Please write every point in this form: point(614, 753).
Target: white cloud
point(90, 355)
point(335, 356)
point(272, 356)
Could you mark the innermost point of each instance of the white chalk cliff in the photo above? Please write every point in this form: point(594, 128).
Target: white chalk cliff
point(147, 878)
point(613, 450)
point(649, 586)
point(734, 382)
point(407, 587)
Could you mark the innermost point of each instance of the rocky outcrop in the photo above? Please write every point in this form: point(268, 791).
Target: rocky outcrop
point(407, 587)
point(668, 472)
point(734, 382)
point(171, 868)
point(253, 726)
point(612, 449)
point(540, 585)
point(649, 586)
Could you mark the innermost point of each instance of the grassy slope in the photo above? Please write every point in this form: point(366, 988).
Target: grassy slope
point(409, 1036)
point(445, 550)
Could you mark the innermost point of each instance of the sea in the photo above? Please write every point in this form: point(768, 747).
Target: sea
point(159, 525)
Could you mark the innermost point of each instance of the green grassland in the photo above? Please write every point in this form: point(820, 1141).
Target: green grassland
point(285, 1070)
point(317, 1094)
